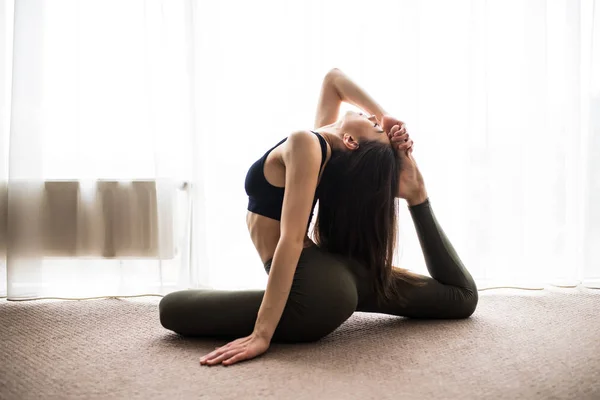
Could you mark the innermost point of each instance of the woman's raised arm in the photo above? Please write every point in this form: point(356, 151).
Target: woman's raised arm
point(337, 87)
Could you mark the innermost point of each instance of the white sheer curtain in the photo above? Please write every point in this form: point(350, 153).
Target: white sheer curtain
point(99, 170)
point(501, 98)
point(133, 123)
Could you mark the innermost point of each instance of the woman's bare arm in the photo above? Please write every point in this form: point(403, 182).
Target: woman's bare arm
point(337, 88)
point(302, 158)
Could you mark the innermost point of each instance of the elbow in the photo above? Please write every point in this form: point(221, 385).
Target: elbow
point(331, 76)
point(290, 244)
point(291, 241)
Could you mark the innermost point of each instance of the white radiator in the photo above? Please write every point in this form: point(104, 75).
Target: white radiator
point(103, 219)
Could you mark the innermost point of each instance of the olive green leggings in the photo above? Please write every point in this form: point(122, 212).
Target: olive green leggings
point(326, 290)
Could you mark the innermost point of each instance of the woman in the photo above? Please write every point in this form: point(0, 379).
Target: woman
point(356, 168)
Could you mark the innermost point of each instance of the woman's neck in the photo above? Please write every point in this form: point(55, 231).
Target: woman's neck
point(331, 135)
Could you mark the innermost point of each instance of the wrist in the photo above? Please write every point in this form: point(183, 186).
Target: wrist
point(263, 334)
point(417, 198)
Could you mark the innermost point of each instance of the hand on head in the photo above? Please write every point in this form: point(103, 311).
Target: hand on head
point(396, 131)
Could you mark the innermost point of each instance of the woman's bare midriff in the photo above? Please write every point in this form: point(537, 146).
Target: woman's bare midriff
point(264, 233)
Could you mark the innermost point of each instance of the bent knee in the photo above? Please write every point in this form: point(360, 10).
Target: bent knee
point(168, 310)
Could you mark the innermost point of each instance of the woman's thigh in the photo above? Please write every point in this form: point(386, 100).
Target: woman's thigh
point(322, 297)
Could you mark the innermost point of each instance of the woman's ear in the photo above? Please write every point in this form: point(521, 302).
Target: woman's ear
point(349, 141)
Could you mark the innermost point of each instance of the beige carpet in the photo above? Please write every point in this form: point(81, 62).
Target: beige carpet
point(517, 345)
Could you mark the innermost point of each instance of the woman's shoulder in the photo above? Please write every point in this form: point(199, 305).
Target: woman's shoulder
point(301, 135)
point(306, 144)
point(301, 141)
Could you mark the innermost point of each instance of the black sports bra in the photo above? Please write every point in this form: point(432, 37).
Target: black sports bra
point(266, 199)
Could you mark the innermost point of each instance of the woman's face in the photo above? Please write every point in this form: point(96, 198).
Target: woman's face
point(357, 127)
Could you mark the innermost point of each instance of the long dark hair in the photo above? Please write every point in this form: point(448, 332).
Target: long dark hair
point(357, 215)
